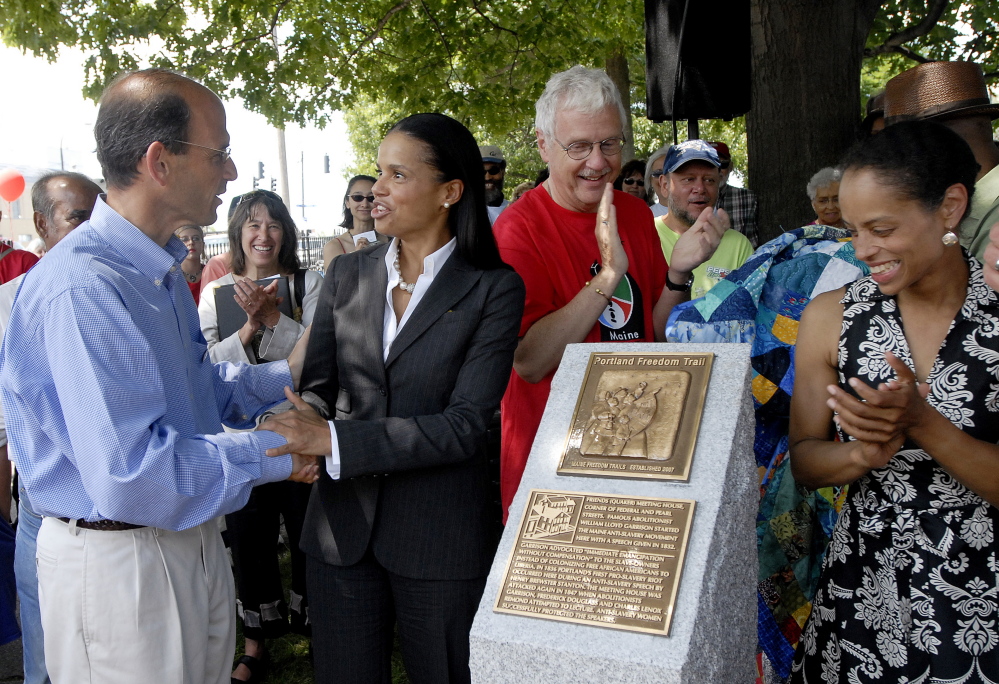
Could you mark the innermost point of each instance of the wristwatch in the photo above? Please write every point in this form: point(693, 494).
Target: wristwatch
point(685, 287)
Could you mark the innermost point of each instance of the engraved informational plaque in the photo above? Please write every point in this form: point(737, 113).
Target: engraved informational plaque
point(637, 415)
point(595, 559)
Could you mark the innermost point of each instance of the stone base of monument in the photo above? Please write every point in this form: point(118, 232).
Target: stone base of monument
point(712, 635)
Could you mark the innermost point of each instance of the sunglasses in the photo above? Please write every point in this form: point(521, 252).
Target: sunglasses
point(494, 170)
point(633, 181)
point(254, 194)
point(361, 198)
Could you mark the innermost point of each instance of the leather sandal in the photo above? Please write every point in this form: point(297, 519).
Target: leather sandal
point(256, 666)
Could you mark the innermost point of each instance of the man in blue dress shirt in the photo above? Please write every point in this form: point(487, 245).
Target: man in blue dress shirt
point(115, 410)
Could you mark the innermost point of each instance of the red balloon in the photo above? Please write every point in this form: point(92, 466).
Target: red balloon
point(11, 184)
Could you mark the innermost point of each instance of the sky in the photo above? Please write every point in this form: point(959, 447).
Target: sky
point(43, 110)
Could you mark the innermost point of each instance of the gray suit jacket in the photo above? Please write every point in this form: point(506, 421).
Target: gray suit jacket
point(414, 485)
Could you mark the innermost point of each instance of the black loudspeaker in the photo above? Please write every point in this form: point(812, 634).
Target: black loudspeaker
point(697, 59)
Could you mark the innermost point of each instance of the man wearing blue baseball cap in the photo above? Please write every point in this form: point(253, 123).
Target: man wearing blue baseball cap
point(692, 196)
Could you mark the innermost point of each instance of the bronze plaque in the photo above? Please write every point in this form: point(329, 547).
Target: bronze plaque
point(637, 415)
point(598, 559)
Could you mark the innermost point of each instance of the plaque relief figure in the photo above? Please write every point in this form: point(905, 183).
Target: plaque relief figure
point(630, 419)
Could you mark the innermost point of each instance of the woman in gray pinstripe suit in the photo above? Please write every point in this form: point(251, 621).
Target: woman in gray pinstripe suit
point(410, 353)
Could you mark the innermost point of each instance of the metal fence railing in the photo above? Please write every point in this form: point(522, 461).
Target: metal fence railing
point(310, 248)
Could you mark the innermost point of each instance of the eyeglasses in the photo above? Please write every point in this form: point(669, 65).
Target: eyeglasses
point(362, 198)
point(494, 170)
point(222, 156)
point(580, 150)
point(656, 174)
point(255, 194)
point(633, 181)
point(725, 165)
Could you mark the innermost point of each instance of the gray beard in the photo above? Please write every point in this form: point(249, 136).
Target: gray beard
point(494, 197)
point(684, 216)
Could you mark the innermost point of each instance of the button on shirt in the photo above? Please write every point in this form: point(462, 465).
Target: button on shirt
point(432, 265)
point(114, 409)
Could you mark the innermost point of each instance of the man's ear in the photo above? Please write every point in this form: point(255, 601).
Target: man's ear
point(542, 145)
point(41, 225)
point(156, 163)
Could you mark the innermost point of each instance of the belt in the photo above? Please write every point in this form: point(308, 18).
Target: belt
point(104, 525)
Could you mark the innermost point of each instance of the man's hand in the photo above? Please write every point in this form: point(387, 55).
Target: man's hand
point(304, 430)
point(613, 258)
point(296, 360)
point(304, 469)
point(699, 242)
point(991, 258)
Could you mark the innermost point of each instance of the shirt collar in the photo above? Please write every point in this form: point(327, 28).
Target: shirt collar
point(135, 246)
point(432, 263)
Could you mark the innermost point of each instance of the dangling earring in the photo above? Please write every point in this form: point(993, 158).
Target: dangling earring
point(949, 238)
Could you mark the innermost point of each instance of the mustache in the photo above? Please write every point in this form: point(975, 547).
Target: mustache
point(590, 175)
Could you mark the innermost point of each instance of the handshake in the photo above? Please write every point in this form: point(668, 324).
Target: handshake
point(306, 434)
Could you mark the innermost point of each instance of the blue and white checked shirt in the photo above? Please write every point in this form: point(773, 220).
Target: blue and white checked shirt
point(114, 408)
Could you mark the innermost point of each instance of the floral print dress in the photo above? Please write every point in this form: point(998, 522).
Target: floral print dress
point(908, 591)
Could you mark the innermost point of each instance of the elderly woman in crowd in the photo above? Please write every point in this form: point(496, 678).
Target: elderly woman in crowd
point(412, 349)
point(896, 395)
point(263, 244)
point(193, 265)
point(357, 203)
point(823, 191)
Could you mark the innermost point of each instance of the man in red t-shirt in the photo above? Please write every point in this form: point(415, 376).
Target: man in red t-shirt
point(590, 277)
point(14, 262)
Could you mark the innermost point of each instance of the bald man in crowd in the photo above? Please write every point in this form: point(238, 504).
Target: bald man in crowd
point(115, 411)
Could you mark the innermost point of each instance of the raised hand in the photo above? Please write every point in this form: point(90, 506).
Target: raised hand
point(305, 431)
point(613, 258)
point(991, 258)
point(699, 242)
point(259, 303)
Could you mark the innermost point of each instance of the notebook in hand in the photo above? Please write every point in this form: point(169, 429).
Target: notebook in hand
point(231, 316)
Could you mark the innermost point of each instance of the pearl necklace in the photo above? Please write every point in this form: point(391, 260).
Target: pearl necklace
point(403, 285)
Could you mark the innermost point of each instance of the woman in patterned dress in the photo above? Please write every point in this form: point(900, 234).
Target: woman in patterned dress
point(897, 394)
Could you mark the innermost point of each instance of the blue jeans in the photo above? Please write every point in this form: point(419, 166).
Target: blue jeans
point(28, 523)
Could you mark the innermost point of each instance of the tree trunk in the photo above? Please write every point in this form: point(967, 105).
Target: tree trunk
point(617, 69)
point(807, 56)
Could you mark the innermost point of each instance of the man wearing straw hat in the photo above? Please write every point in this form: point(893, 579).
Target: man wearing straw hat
point(954, 93)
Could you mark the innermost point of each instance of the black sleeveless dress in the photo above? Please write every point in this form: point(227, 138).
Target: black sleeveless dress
point(908, 591)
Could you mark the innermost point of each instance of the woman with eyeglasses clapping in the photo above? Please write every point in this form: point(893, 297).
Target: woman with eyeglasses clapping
point(357, 220)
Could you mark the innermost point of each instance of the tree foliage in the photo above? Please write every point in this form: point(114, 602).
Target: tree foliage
point(483, 61)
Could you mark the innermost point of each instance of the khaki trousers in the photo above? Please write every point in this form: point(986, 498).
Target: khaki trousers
point(145, 605)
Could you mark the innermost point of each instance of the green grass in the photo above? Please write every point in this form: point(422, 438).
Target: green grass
point(289, 655)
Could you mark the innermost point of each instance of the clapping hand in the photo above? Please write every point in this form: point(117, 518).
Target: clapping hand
point(880, 419)
point(304, 430)
point(612, 255)
point(699, 242)
point(259, 303)
point(991, 258)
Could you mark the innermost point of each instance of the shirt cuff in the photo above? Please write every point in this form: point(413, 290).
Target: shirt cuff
point(272, 468)
point(333, 460)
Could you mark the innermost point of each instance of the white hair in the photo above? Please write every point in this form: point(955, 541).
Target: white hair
point(578, 89)
point(653, 158)
point(822, 178)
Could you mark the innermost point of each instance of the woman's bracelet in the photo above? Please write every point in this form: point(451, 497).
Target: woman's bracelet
point(599, 292)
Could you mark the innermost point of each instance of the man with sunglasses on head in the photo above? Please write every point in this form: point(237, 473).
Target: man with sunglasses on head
point(495, 167)
point(115, 410)
point(590, 277)
point(740, 203)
